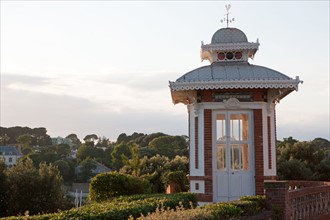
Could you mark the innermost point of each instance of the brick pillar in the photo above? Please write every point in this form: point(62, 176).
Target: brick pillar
point(208, 155)
point(258, 152)
point(278, 197)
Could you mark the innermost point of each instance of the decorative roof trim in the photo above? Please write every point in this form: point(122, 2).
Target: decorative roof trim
point(235, 84)
point(230, 46)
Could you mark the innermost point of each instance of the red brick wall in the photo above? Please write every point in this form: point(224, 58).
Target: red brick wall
point(269, 143)
point(208, 155)
point(258, 152)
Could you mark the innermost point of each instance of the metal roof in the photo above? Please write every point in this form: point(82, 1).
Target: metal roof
point(228, 35)
point(9, 150)
point(224, 75)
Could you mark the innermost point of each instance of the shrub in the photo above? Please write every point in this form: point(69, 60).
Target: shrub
point(179, 213)
point(261, 202)
point(106, 186)
point(224, 210)
point(179, 178)
point(121, 208)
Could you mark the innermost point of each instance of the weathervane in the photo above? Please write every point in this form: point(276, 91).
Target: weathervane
point(227, 14)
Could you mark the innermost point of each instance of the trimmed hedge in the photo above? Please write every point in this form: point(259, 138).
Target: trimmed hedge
point(246, 206)
point(121, 208)
point(106, 186)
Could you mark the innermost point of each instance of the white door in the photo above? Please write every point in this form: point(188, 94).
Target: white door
point(233, 166)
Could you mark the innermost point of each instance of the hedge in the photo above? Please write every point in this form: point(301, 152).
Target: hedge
point(121, 208)
point(246, 206)
point(106, 186)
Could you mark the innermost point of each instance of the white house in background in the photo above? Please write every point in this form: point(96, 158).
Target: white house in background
point(10, 155)
point(61, 140)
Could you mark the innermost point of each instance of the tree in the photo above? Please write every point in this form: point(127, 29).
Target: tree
point(85, 151)
point(24, 140)
point(86, 170)
point(62, 150)
point(4, 138)
point(66, 169)
point(75, 140)
point(36, 190)
point(303, 160)
point(120, 149)
point(135, 163)
point(169, 146)
point(3, 189)
point(90, 139)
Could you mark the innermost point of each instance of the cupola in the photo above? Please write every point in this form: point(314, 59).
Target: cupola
point(227, 45)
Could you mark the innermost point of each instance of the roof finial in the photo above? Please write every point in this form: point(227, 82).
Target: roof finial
point(227, 15)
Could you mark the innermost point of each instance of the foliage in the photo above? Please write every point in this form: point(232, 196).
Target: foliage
point(224, 210)
point(66, 168)
point(74, 139)
point(155, 169)
point(179, 178)
point(261, 201)
point(116, 155)
point(159, 206)
point(106, 186)
point(85, 170)
point(122, 208)
point(305, 160)
point(86, 150)
point(28, 185)
point(246, 206)
point(135, 163)
point(169, 146)
point(3, 187)
point(39, 135)
point(178, 213)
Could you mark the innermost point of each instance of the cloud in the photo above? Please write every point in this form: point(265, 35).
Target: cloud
point(77, 105)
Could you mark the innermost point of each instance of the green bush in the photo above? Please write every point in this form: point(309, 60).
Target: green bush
point(261, 202)
point(224, 210)
point(178, 213)
point(106, 186)
point(169, 200)
point(121, 208)
point(179, 178)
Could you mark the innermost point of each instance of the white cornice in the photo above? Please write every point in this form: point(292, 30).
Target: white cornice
point(230, 46)
point(235, 84)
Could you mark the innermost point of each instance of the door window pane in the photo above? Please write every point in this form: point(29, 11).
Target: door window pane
point(221, 156)
point(236, 157)
point(221, 127)
point(239, 127)
point(239, 156)
point(245, 157)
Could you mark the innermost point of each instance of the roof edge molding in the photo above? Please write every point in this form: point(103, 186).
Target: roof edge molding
point(235, 84)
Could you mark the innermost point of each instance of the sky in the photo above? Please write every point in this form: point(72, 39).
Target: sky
point(103, 67)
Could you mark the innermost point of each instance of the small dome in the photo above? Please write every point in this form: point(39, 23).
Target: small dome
point(228, 35)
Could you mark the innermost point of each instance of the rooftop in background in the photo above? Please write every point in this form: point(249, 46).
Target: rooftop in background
point(10, 150)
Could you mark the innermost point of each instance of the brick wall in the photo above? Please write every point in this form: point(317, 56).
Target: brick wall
point(269, 143)
point(258, 152)
point(208, 155)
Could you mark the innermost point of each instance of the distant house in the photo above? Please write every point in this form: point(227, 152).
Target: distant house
point(61, 140)
point(10, 155)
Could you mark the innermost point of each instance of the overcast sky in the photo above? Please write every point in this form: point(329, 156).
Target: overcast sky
point(103, 67)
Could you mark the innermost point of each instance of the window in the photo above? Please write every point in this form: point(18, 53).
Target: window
point(230, 55)
point(10, 160)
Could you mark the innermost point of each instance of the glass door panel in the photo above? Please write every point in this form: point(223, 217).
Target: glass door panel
point(221, 156)
point(239, 127)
